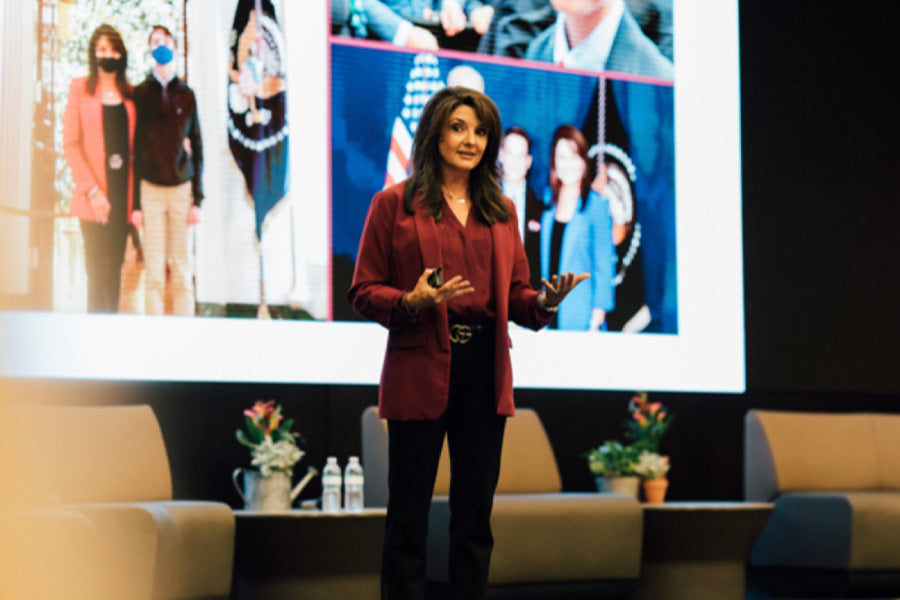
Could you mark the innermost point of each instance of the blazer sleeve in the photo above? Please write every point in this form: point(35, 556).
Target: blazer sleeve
point(372, 293)
point(74, 141)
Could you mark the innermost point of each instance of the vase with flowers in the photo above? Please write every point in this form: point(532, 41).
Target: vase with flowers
point(274, 452)
point(652, 468)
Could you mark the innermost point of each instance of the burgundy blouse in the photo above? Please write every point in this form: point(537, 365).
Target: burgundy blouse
point(467, 251)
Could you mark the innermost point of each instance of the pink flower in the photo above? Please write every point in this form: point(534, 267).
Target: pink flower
point(265, 416)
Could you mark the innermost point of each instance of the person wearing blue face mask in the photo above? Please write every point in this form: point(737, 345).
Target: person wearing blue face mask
point(168, 167)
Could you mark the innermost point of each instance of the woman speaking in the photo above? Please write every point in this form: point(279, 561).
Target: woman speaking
point(441, 265)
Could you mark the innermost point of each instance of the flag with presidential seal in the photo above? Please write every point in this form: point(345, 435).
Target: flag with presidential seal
point(257, 119)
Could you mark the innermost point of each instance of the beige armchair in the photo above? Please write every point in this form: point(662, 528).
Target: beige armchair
point(109, 465)
point(835, 483)
point(543, 537)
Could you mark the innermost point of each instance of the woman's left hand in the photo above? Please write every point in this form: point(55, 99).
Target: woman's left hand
point(558, 288)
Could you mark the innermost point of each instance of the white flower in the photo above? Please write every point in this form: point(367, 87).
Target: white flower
point(272, 456)
point(651, 465)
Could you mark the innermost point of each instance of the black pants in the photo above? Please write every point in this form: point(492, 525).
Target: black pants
point(475, 438)
point(104, 252)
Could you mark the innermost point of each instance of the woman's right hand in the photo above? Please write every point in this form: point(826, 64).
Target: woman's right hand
point(424, 296)
point(100, 206)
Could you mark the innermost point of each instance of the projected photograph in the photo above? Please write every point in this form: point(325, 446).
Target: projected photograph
point(165, 190)
point(568, 129)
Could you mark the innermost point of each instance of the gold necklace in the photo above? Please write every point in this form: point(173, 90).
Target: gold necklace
point(449, 198)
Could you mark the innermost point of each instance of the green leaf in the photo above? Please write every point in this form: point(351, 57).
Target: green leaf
point(254, 432)
point(243, 439)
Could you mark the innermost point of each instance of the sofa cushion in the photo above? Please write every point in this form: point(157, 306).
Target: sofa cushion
point(854, 530)
point(48, 554)
point(551, 537)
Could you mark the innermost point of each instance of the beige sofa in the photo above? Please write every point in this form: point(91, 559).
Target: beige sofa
point(835, 482)
point(545, 539)
point(108, 467)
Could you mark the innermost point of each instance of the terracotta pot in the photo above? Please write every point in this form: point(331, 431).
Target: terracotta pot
point(655, 490)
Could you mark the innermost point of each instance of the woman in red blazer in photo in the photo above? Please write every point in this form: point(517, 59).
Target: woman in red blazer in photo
point(447, 365)
point(98, 133)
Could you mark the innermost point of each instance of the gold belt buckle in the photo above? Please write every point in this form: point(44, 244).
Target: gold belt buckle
point(460, 334)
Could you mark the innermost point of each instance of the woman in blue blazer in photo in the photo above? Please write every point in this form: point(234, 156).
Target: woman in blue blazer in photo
point(576, 234)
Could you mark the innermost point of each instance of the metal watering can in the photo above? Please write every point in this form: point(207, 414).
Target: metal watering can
point(269, 493)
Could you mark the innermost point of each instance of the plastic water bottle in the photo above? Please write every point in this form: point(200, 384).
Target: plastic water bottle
point(353, 485)
point(331, 486)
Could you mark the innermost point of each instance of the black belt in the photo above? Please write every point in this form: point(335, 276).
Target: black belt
point(462, 332)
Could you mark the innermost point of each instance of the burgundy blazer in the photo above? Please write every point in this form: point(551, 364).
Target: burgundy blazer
point(394, 250)
point(84, 147)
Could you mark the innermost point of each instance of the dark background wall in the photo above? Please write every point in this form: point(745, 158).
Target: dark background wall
point(821, 230)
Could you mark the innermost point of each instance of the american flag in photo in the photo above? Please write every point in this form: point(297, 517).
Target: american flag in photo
point(424, 80)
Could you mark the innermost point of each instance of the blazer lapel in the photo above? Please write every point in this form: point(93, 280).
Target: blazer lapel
point(501, 267)
point(430, 249)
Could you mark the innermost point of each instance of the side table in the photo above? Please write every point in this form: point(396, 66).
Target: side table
point(307, 554)
point(697, 550)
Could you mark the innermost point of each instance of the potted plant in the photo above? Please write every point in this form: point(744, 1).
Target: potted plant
point(652, 468)
point(613, 464)
point(274, 451)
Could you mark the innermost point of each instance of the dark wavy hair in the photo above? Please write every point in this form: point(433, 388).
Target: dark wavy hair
point(572, 134)
point(484, 188)
point(115, 40)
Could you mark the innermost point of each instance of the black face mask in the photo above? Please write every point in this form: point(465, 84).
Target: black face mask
point(109, 64)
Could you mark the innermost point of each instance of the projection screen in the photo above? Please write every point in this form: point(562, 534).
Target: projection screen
point(307, 111)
